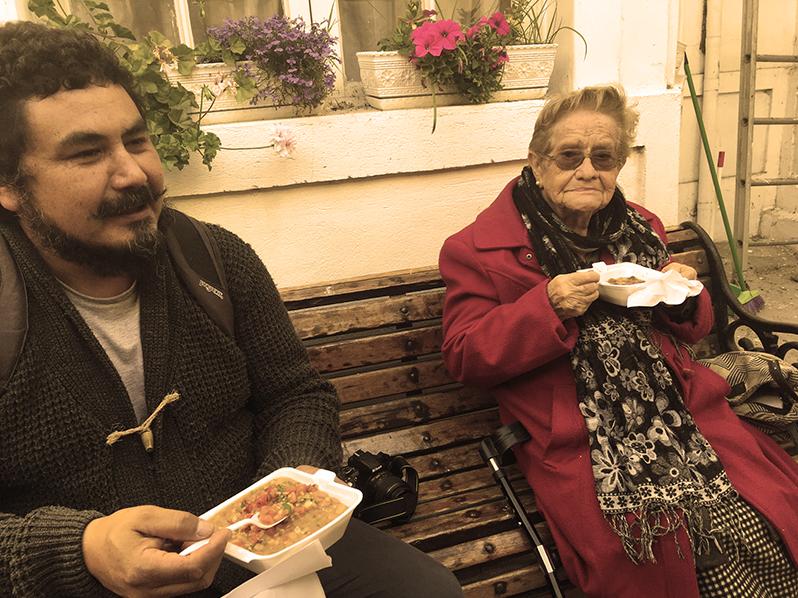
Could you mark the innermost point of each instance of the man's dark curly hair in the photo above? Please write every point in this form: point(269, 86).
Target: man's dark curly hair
point(37, 61)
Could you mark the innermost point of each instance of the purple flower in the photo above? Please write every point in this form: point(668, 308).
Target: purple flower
point(293, 63)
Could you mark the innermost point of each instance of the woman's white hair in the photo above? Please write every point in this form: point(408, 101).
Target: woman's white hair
point(606, 99)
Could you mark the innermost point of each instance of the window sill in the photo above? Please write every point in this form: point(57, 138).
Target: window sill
point(362, 143)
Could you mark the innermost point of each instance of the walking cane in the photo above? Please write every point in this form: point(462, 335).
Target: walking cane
point(495, 451)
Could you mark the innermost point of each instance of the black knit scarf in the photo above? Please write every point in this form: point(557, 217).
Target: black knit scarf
point(653, 470)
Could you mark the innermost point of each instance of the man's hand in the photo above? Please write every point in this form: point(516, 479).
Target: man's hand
point(571, 294)
point(687, 271)
point(129, 551)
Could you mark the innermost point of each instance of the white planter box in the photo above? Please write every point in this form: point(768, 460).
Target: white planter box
point(527, 73)
point(390, 81)
point(226, 108)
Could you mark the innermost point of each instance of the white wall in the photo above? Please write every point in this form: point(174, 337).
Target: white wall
point(774, 152)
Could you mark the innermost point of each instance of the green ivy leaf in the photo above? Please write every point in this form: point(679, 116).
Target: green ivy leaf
point(90, 4)
point(245, 94)
point(103, 18)
point(229, 58)
point(121, 31)
point(186, 65)
point(156, 38)
point(149, 87)
point(46, 9)
point(237, 46)
point(180, 117)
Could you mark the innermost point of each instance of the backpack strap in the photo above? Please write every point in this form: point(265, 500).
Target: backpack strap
point(14, 323)
point(198, 262)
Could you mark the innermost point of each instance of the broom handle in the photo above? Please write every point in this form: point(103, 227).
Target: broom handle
point(732, 244)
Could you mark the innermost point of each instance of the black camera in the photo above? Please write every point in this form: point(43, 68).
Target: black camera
point(389, 486)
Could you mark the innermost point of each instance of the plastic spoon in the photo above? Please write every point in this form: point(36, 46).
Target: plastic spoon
point(232, 527)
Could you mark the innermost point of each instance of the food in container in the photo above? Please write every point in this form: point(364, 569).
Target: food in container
point(617, 281)
point(326, 535)
point(307, 508)
point(625, 280)
point(633, 285)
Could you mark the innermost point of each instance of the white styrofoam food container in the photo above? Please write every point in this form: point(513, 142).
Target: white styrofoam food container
point(327, 535)
point(619, 293)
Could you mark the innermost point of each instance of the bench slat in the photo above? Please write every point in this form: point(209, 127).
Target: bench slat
point(483, 550)
point(427, 533)
point(452, 501)
point(679, 235)
point(524, 579)
point(360, 284)
point(695, 258)
point(315, 322)
point(416, 375)
point(460, 482)
point(447, 460)
point(356, 352)
point(454, 430)
point(412, 410)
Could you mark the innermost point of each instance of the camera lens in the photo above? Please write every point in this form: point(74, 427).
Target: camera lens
point(388, 486)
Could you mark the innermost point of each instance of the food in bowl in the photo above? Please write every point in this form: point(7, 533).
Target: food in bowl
point(309, 510)
point(625, 280)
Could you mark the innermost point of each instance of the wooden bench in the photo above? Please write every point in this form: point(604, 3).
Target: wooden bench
point(378, 339)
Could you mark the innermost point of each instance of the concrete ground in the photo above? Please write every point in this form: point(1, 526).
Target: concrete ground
point(773, 271)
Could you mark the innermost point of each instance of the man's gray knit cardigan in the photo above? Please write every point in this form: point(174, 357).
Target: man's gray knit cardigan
point(247, 407)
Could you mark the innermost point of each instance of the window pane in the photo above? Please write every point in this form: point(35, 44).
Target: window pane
point(363, 24)
point(466, 11)
point(216, 11)
point(140, 16)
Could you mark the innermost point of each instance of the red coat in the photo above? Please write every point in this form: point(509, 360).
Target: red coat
point(501, 333)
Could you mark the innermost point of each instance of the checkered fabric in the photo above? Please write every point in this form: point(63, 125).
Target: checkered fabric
point(759, 568)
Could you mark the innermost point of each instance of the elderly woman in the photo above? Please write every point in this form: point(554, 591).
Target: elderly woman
point(650, 484)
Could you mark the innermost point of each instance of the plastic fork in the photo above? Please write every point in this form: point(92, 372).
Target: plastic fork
point(232, 527)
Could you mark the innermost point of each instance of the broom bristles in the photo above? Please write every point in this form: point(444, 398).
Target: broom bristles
point(751, 301)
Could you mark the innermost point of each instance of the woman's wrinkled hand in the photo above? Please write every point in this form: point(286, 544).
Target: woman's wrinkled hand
point(687, 271)
point(571, 294)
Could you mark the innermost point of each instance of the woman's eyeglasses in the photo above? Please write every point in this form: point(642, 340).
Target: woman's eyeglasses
point(571, 159)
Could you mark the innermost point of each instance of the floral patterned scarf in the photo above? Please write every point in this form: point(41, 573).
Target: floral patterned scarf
point(653, 469)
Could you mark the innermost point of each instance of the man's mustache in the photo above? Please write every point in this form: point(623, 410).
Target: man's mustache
point(129, 202)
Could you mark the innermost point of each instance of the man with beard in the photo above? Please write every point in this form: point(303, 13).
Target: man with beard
point(112, 332)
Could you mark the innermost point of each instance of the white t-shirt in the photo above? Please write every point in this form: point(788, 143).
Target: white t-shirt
point(115, 322)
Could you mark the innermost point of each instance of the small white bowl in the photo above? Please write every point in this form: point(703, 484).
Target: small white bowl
point(326, 535)
point(619, 293)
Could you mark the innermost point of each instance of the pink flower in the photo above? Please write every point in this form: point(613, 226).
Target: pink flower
point(451, 33)
point(427, 40)
point(474, 29)
point(499, 23)
point(501, 58)
point(283, 141)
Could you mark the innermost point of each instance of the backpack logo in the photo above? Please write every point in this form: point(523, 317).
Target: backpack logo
point(211, 289)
